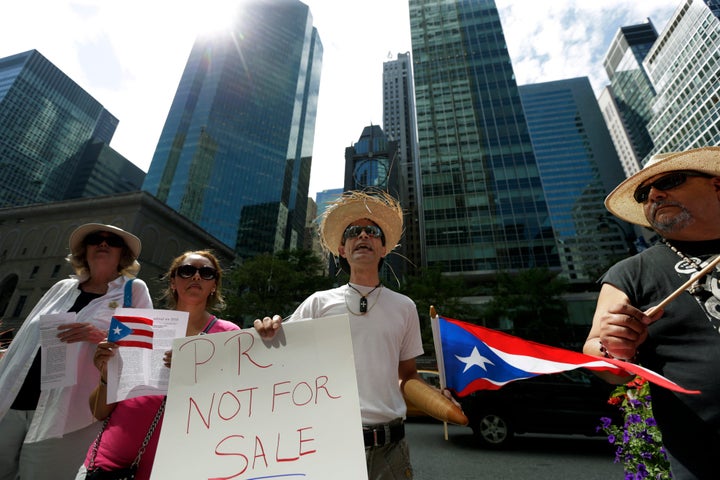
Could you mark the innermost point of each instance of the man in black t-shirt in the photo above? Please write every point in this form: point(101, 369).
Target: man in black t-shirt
point(678, 196)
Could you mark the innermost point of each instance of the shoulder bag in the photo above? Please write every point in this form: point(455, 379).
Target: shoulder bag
point(126, 473)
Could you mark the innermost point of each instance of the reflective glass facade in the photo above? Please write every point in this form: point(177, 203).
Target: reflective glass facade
point(235, 153)
point(372, 162)
point(684, 67)
point(578, 167)
point(399, 125)
point(484, 209)
point(46, 122)
point(632, 91)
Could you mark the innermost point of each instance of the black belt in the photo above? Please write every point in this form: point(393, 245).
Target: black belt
point(379, 435)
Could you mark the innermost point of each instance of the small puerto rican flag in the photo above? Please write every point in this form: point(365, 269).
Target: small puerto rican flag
point(128, 331)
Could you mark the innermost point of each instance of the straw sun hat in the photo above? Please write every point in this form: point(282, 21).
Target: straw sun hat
point(621, 203)
point(79, 234)
point(378, 207)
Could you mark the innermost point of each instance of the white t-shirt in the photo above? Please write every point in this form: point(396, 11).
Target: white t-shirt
point(387, 334)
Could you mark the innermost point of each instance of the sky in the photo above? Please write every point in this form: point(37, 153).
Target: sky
point(130, 54)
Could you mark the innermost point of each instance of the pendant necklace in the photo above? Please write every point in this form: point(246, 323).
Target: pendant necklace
point(696, 288)
point(363, 299)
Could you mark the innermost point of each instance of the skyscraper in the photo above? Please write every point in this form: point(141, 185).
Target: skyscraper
point(399, 125)
point(619, 134)
point(235, 153)
point(684, 67)
point(483, 204)
point(47, 121)
point(578, 167)
point(372, 164)
point(632, 91)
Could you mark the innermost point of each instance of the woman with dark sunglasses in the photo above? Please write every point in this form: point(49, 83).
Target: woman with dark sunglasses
point(45, 433)
point(194, 286)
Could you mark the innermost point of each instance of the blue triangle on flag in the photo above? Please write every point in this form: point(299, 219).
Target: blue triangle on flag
point(118, 330)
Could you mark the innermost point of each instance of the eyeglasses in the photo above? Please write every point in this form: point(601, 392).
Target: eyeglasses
point(355, 230)
point(668, 182)
point(98, 238)
point(189, 271)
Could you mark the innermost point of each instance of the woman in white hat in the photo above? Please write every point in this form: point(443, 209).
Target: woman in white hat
point(45, 434)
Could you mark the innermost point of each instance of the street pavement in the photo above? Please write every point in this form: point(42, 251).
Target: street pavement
point(536, 457)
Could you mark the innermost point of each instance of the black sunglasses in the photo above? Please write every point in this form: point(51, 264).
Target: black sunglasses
point(188, 271)
point(355, 230)
point(108, 238)
point(668, 182)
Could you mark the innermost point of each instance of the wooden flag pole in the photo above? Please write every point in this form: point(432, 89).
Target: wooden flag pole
point(706, 269)
point(438, 357)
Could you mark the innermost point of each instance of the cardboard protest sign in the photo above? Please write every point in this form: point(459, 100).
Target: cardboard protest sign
point(242, 408)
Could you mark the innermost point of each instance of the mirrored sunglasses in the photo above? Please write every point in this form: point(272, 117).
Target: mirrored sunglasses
point(355, 230)
point(188, 271)
point(108, 238)
point(668, 182)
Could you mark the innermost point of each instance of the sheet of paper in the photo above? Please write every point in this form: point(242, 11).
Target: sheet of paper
point(58, 359)
point(242, 408)
point(137, 371)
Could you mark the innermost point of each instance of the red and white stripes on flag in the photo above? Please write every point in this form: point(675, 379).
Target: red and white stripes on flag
point(141, 334)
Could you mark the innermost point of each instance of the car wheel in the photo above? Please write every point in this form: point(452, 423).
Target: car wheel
point(493, 430)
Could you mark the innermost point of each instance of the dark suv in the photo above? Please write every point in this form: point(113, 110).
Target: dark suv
point(570, 402)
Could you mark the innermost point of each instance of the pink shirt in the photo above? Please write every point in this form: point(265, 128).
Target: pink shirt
point(128, 425)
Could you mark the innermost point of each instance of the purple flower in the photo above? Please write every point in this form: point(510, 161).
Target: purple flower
point(633, 418)
point(650, 422)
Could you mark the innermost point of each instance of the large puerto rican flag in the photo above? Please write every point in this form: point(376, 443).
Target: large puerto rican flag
point(127, 331)
point(478, 358)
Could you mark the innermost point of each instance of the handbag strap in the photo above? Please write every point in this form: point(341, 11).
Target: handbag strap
point(127, 298)
point(148, 436)
point(153, 425)
point(209, 326)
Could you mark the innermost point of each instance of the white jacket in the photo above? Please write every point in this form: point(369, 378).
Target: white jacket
point(62, 410)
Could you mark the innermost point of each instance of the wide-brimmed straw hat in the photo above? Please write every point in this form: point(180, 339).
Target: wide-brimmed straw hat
point(378, 207)
point(621, 203)
point(79, 234)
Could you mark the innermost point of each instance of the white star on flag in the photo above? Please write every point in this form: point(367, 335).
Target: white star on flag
point(474, 359)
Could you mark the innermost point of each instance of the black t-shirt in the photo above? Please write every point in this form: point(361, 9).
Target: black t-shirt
point(683, 345)
point(29, 394)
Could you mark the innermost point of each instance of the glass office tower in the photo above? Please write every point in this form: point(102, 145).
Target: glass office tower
point(235, 153)
point(46, 123)
point(484, 209)
point(632, 90)
point(399, 124)
point(578, 167)
point(684, 67)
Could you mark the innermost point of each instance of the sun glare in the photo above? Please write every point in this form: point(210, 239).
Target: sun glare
point(214, 17)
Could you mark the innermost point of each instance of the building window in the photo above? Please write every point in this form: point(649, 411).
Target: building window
point(56, 270)
point(20, 305)
point(34, 271)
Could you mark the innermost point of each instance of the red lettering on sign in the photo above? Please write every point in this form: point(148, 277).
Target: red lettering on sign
point(239, 337)
point(207, 353)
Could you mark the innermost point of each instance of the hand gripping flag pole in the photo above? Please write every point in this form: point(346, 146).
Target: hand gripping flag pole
point(432, 401)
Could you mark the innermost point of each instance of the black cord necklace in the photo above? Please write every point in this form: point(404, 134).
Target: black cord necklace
point(363, 298)
point(696, 287)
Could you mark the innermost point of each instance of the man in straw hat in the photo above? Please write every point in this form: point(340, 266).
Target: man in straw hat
point(678, 196)
point(362, 229)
